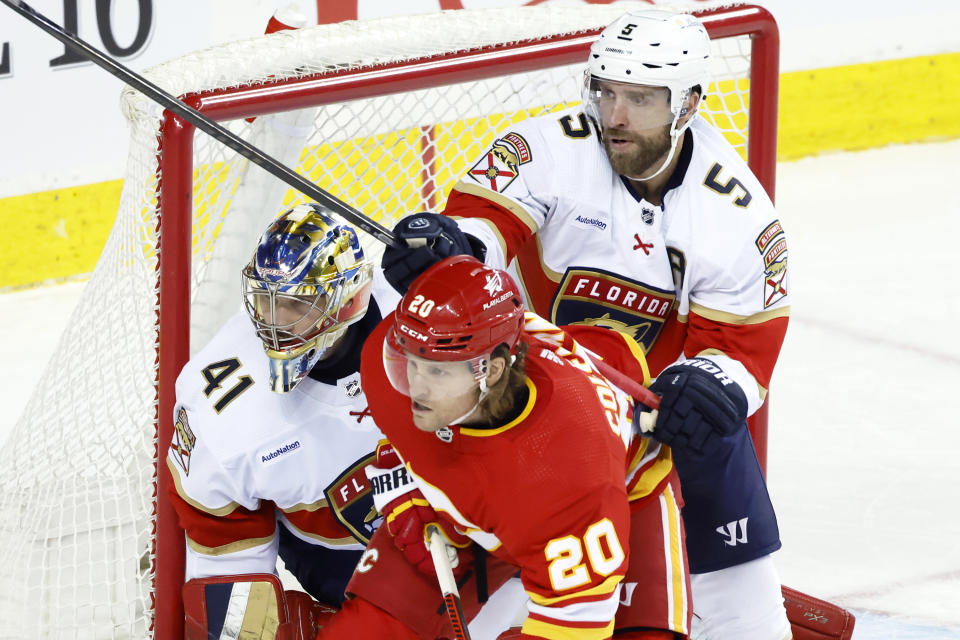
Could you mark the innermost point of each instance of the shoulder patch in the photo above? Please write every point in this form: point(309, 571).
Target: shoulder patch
point(774, 270)
point(773, 230)
point(500, 166)
point(183, 441)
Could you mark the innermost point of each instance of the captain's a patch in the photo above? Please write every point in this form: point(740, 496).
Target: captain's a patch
point(183, 441)
point(500, 166)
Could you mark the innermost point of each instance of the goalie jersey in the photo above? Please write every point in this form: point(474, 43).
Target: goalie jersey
point(703, 274)
point(548, 490)
point(257, 474)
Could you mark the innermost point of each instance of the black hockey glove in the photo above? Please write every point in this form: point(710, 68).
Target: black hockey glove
point(698, 403)
point(430, 237)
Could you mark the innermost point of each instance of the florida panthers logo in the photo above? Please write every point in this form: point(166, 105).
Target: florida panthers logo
point(635, 331)
point(350, 499)
point(599, 298)
point(501, 164)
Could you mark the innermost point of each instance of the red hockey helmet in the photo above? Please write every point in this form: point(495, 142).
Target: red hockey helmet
point(458, 310)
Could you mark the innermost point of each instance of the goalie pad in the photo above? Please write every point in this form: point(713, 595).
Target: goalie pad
point(814, 619)
point(252, 607)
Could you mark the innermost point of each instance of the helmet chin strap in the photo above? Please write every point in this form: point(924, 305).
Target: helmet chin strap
point(675, 134)
point(483, 394)
point(484, 390)
point(674, 139)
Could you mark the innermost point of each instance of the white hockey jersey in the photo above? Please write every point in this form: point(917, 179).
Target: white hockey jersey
point(703, 274)
point(243, 457)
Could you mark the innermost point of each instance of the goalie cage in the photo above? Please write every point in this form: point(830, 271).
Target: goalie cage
point(382, 113)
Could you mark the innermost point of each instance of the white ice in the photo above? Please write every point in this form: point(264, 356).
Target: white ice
point(864, 455)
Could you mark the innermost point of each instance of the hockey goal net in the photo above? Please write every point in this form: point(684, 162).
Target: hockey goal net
point(384, 114)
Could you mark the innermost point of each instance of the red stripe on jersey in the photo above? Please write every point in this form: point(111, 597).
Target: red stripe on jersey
point(755, 345)
point(319, 523)
point(216, 531)
point(514, 231)
point(572, 624)
point(539, 286)
point(669, 345)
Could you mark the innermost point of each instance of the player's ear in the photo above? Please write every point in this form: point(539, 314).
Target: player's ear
point(690, 105)
point(496, 370)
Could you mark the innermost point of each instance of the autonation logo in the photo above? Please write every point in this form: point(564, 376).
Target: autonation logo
point(287, 448)
point(593, 222)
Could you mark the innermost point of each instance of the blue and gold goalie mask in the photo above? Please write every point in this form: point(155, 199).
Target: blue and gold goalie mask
point(308, 281)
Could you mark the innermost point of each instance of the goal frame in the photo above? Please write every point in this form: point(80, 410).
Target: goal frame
point(176, 212)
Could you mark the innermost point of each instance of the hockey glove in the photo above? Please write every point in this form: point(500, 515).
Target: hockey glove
point(698, 404)
point(429, 238)
point(406, 512)
point(407, 518)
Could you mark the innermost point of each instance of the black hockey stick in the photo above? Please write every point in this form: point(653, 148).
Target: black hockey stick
point(448, 585)
point(205, 124)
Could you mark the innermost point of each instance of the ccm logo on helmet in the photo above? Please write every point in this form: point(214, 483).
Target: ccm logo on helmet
point(416, 335)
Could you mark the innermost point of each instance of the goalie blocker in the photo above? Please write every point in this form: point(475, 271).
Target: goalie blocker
point(252, 607)
point(814, 619)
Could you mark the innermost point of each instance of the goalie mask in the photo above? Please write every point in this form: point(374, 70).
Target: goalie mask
point(307, 282)
point(651, 59)
point(446, 328)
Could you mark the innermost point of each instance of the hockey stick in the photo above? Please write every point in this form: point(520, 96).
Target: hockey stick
point(647, 420)
point(205, 124)
point(448, 585)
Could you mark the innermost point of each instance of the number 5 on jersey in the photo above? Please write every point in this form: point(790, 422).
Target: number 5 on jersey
point(604, 553)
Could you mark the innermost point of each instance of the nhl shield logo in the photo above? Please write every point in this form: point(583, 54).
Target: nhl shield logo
point(350, 499)
point(646, 214)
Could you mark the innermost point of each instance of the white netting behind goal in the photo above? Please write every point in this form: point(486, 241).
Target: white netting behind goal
point(77, 477)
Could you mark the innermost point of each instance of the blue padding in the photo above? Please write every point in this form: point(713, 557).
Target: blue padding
point(217, 597)
point(728, 516)
point(323, 572)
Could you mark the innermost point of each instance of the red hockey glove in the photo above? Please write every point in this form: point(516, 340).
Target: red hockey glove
point(407, 518)
point(406, 512)
point(388, 477)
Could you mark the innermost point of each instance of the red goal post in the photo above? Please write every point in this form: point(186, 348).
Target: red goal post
point(384, 114)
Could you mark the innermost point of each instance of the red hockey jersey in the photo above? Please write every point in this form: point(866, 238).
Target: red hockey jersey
point(548, 490)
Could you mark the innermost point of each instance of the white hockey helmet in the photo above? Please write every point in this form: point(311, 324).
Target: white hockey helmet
point(655, 48)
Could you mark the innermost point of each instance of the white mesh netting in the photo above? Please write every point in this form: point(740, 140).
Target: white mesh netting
point(77, 474)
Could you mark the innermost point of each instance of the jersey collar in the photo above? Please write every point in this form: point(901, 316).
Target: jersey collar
point(527, 407)
point(676, 178)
